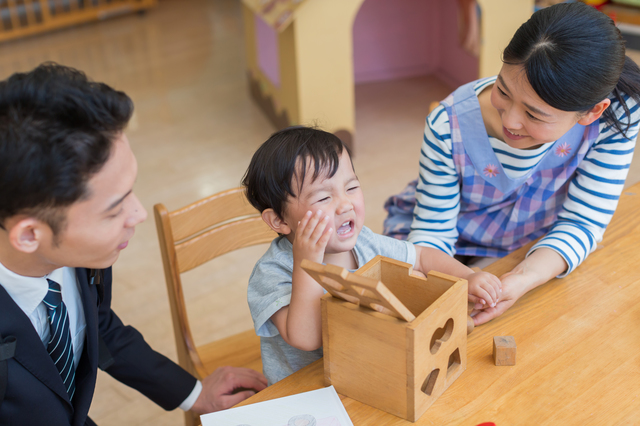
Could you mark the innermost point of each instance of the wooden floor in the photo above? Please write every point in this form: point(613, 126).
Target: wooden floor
point(194, 131)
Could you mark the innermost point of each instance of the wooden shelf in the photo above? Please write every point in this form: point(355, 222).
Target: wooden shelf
point(622, 14)
point(21, 18)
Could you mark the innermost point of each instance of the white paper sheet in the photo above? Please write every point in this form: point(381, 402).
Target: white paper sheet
point(320, 407)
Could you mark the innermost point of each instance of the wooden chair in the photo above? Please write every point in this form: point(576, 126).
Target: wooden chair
point(190, 237)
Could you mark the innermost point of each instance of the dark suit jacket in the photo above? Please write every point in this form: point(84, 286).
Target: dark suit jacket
point(35, 393)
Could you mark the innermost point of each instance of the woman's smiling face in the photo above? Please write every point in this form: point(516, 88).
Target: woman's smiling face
point(528, 121)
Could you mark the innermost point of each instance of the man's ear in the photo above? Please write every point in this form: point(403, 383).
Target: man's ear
point(275, 222)
point(595, 112)
point(26, 234)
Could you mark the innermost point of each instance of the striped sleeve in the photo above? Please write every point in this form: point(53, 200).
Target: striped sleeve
point(594, 191)
point(438, 193)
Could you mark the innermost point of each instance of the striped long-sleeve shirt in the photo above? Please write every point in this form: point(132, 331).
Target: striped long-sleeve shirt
point(591, 200)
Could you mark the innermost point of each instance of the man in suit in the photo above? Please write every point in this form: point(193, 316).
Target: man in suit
point(67, 209)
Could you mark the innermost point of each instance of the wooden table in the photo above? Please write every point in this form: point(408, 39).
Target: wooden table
point(578, 356)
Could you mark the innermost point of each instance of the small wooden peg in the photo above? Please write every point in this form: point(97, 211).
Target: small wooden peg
point(504, 350)
point(470, 325)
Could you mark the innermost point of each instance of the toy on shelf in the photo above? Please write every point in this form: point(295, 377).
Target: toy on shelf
point(305, 56)
point(391, 339)
point(504, 350)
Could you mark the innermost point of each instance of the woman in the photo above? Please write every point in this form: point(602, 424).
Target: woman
point(541, 150)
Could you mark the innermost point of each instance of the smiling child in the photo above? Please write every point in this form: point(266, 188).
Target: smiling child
point(303, 182)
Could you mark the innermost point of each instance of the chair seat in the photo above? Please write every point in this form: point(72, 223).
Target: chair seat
point(239, 350)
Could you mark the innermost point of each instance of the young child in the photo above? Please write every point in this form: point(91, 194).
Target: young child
point(303, 182)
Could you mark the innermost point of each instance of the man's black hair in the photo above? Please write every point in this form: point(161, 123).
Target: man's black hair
point(284, 156)
point(57, 130)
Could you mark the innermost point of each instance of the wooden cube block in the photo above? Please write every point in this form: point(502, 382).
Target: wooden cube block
point(390, 339)
point(504, 350)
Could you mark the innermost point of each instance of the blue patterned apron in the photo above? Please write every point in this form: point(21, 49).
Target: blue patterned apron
point(498, 214)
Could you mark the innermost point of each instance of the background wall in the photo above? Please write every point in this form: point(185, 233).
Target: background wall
point(399, 39)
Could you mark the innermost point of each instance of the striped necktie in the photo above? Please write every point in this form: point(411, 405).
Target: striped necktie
point(59, 346)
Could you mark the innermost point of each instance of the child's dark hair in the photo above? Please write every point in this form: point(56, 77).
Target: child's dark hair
point(57, 129)
point(284, 156)
point(574, 57)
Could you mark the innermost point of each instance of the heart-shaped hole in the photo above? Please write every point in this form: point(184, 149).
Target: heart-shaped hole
point(441, 335)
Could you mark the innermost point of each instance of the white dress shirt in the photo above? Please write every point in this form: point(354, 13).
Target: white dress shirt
point(29, 292)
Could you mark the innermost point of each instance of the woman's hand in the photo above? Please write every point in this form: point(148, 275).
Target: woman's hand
point(513, 284)
point(538, 268)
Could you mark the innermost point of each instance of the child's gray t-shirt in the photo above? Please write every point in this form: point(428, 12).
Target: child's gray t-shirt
point(270, 290)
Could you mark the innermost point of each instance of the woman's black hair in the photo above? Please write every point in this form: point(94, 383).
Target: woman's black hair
point(57, 129)
point(286, 155)
point(574, 57)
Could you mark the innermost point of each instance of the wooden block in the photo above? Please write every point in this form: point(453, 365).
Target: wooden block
point(504, 350)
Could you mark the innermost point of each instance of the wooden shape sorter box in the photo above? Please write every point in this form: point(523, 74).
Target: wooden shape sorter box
point(392, 340)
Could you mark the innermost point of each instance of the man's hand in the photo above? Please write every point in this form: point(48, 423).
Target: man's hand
point(218, 388)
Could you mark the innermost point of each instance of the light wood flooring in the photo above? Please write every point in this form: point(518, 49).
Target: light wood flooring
point(194, 132)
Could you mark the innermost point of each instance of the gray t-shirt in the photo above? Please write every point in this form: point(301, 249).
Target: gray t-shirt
point(270, 290)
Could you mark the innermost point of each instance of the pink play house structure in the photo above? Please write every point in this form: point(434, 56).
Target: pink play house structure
point(304, 56)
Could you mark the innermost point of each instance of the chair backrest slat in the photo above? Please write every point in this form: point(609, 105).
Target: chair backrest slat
point(210, 211)
point(218, 241)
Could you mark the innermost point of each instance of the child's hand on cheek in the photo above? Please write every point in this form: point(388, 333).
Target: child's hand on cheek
point(484, 289)
point(300, 323)
point(311, 237)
